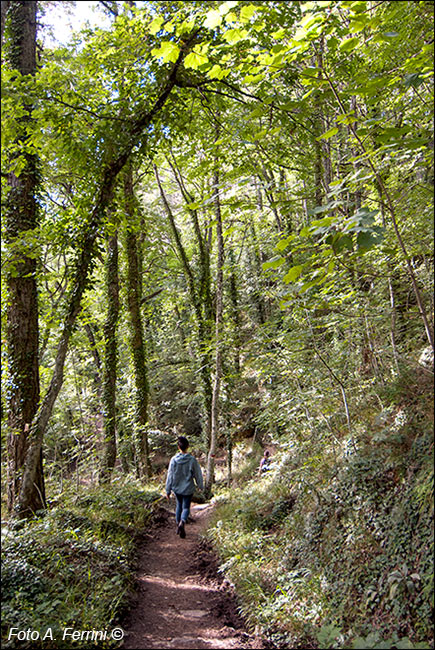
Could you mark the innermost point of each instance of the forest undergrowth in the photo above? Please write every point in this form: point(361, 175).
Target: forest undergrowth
point(334, 549)
point(73, 568)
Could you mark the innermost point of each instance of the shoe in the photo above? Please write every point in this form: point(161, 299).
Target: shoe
point(180, 530)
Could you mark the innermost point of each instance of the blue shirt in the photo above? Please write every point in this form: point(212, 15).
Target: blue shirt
point(183, 470)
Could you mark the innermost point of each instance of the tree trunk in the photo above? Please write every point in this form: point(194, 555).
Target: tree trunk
point(94, 351)
point(21, 222)
point(202, 325)
point(110, 359)
point(233, 379)
point(269, 189)
point(4, 10)
point(218, 359)
point(323, 150)
point(137, 333)
point(235, 313)
point(318, 194)
point(204, 291)
point(257, 264)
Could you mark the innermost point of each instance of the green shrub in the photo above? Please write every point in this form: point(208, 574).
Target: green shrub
point(73, 567)
point(335, 551)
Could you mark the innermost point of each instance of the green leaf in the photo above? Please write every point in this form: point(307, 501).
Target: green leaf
point(293, 274)
point(280, 33)
point(358, 24)
point(274, 263)
point(347, 118)
point(227, 6)
point(185, 26)
point(216, 72)
point(155, 25)
point(213, 19)
point(328, 134)
point(414, 79)
point(253, 79)
point(231, 18)
point(358, 7)
point(349, 44)
point(368, 239)
point(194, 60)
point(283, 243)
point(344, 241)
point(168, 51)
point(246, 13)
point(233, 36)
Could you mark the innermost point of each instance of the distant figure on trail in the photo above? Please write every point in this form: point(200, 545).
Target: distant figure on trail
point(264, 463)
point(183, 472)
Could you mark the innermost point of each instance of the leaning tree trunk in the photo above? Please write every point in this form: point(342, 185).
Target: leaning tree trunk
point(137, 333)
point(110, 358)
point(21, 222)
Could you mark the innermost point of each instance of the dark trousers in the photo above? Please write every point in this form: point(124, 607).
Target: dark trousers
point(183, 507)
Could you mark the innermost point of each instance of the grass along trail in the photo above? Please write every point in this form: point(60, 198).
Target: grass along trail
point(180, 603)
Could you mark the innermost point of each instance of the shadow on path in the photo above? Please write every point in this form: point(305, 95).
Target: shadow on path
point(177, 605)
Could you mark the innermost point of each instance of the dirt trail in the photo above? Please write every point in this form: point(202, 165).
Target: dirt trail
point(180, 602)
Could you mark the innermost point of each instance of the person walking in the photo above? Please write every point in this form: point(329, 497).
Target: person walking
point(264, 463)
point(183, 472)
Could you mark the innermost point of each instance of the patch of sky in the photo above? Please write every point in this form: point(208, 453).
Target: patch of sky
point(62, 19)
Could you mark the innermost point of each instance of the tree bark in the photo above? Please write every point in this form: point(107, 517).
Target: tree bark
point(110, 359)
point(204, 256)
point(4, 10)
point(235, 312)
point(21, 222)
point(137, 331)
point(195, 297)
point(209, 480)
point(257, 264)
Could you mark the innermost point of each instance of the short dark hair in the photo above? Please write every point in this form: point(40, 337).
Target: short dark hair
point(267, 452)
point(183, 443)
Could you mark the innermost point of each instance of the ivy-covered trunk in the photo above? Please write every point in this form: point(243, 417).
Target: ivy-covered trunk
point(4, 10)
point(110, 358)
point(218, 358)
point(234, 374)
point(21, 222)
point(137, 333)
point(200, 303)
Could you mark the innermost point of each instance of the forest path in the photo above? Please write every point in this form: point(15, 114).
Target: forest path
point(180, 602)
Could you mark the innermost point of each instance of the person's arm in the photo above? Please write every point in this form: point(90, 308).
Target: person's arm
point(169, 479)
point(198, 474)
